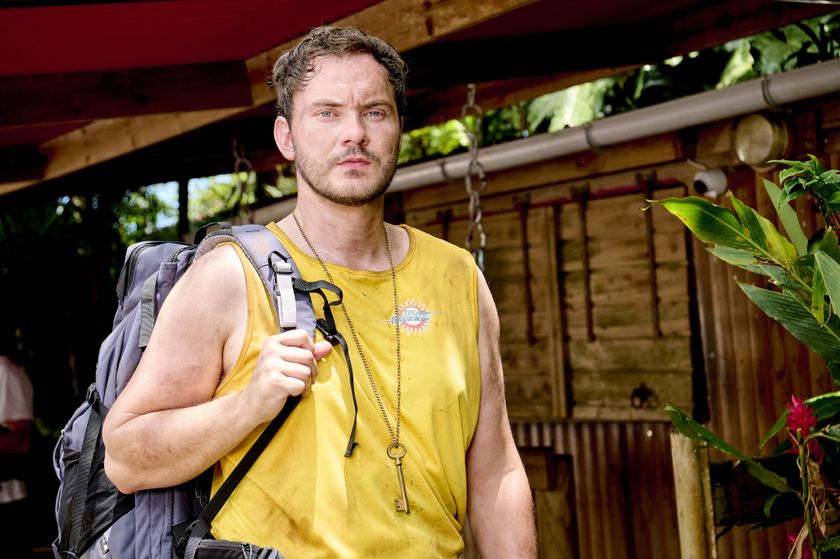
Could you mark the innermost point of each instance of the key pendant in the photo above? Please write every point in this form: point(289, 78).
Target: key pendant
point(395, 453)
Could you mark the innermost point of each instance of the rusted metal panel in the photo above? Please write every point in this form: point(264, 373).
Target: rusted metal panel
point(623, 485)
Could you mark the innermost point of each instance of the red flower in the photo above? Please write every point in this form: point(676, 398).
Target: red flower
point(802, 422)
point(806, 549)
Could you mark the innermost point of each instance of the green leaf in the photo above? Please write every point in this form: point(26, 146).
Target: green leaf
point(830, 177)
point(694, 430)
point(803, 270)
point(832, 434)
point(794, 316)
point(834, 371)
point(828, 244)
point(792, 190)
point(817, 168)
point(734, 256)
point(789, 163)
point(829, 544)
point(818, 290)
point(788, 218)
point(794, 169)
point(768, 504)
point(830, 272)
point(780, 423)
point(710, 223)
point(777, 275)
point(826, 406)
point(763, 233)
point(749, 219)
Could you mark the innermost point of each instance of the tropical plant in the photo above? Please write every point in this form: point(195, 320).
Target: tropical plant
point(803, 295)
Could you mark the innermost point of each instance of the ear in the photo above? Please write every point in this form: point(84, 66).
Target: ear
point(283, 138)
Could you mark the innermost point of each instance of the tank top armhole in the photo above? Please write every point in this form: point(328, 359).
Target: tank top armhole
point(249, 327)
point(474, 295)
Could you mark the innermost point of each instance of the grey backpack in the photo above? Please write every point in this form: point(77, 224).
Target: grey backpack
point(94, 519)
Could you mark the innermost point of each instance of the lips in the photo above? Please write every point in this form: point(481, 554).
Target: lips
point(354, 162)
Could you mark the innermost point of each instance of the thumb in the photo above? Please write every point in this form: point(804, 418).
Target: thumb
point(322, 349)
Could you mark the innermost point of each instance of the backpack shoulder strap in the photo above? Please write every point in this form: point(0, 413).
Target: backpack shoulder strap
point(274, 265)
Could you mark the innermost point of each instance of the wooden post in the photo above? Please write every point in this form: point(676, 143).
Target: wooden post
point(183, 209)
point(693, 492)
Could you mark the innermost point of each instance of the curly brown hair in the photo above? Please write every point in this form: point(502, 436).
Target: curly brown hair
point(294, 67)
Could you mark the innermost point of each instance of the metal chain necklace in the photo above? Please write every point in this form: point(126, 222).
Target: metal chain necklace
point(396, 450)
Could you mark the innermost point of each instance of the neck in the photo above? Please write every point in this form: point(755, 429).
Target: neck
point(348, 236)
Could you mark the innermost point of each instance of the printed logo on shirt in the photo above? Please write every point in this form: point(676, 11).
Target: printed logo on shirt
point(413, 317)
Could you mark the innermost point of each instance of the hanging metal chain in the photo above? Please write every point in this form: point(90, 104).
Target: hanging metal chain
point(474, 171)
point(241, 164)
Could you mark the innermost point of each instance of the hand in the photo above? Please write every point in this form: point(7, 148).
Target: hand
point(287, 366)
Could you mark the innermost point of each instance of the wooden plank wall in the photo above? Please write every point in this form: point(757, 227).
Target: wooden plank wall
point(529, 307)
point(620, 486)
point(626, 301)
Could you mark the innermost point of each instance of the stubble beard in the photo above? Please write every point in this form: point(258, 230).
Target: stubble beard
point(316, 176)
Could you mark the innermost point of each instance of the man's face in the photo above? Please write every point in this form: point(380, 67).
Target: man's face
point(344, 133)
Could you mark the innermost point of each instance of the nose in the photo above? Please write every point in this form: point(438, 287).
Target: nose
point(354, 131)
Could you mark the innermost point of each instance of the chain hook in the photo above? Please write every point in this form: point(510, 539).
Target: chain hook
point(475, 228)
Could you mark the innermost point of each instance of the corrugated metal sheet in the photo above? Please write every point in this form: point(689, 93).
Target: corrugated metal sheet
point(623, 486)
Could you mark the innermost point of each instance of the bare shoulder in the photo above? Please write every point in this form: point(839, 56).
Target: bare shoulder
point(185, 358)
point(488, 345)
point(218, 270)
point(488, 314)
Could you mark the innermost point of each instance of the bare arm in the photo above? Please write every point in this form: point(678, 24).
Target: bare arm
point(164, 428)
point(500, 507)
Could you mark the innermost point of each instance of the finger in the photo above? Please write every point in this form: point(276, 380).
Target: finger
point(297, 355)
point(295, 338)
point(322, 349)
point(300, 373)
point(302, 357)
point(293, 386)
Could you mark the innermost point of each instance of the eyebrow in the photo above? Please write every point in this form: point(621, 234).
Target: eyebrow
point(369, 104)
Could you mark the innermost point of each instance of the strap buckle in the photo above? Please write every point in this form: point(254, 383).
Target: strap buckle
point(284, 293)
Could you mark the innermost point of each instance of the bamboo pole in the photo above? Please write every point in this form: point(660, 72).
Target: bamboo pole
point(692, 485)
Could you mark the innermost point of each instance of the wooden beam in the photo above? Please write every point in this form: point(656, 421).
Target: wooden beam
point(498, 58)
point(406, 24)
point(202, 152)
point(94, 95)
point(106, 139)
point(721, 22)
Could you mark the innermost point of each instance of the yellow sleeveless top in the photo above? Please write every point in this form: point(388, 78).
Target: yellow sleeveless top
point(303, 496)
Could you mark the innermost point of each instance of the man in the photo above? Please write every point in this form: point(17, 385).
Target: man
point(431, 443)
